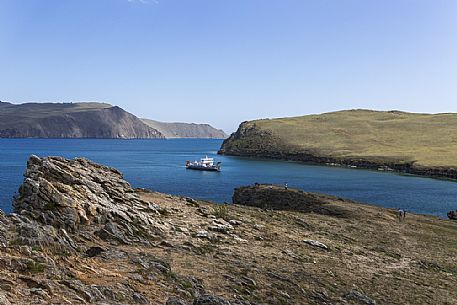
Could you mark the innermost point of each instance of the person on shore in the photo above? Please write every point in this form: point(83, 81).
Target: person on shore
point(401, 214)
point(285, 186)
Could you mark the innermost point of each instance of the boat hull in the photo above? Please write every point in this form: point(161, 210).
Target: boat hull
point(204, 168)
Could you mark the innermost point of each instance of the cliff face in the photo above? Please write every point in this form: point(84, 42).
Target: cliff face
point(80, 234)
point(186, 130)
point(78, 120)
point(410, 143)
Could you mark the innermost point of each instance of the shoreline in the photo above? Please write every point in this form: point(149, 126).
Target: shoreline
point(441, 173)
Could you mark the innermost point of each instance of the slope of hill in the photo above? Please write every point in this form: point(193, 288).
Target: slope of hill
point(423, 144)
point(71, 120)
point(186, 130)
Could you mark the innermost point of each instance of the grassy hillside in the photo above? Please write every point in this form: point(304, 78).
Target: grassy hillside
point(393, 136)
point(186, 130)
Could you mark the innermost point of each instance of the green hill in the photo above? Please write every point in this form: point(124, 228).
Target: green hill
point(409, 142)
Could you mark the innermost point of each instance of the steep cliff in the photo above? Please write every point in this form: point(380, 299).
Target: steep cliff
point(71, 120)
point(186, 130)
point(422, 144)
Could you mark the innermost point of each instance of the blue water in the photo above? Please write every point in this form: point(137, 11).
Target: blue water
point(159, 165)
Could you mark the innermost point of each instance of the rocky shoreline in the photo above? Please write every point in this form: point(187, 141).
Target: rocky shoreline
point(360, 163)
point(80, 234)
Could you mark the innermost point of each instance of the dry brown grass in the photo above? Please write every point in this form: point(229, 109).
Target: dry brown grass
point(371, 252)
point(393, 262)
point(428, 139)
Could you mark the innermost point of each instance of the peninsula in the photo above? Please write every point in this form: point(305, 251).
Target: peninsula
point(80, 234)
point(421, 144)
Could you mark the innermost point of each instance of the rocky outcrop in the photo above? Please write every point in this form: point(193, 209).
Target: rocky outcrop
point(72, 209)
point(452, 215)
point(249, 140)
point(71, 120)
point(186, 130)
point(73, 195)
point(280, 198)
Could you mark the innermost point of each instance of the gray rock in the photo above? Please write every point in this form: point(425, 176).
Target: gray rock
point(258, 227)
point(112, 231)
point(222, 228)
point(210, 300)
point(139, 299)
point(359, 298)
point(191, 200)
point(316, 243)
point(202, 234)
point(175, 301)
point(151, 263)
point(247, 281)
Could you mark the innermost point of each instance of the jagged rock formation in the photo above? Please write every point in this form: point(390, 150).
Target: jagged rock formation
point(77, 194)
point(71, 120)
point(420, 144)
point(62, 206)
point(186, 130)
point(80, 234)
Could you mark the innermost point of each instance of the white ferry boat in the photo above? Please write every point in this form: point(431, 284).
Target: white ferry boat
point(205, 164)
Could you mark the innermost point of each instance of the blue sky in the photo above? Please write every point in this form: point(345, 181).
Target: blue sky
point(226, 61)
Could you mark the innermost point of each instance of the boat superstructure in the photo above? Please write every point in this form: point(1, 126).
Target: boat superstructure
point(205, 164)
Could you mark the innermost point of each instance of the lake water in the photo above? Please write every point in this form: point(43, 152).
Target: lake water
point(159, 165)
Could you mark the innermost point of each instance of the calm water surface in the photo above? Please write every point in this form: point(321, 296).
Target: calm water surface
point(159, 165)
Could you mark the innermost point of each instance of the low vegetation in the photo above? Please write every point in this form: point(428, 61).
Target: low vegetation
point(393, 136)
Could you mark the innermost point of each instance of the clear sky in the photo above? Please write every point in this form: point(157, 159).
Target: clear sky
point(226, 61)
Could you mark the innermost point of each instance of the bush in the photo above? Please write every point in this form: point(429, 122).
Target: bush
point(222, 211)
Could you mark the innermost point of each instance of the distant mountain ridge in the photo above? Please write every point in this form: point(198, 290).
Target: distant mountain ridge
point(71, 120)
point(186, 130)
